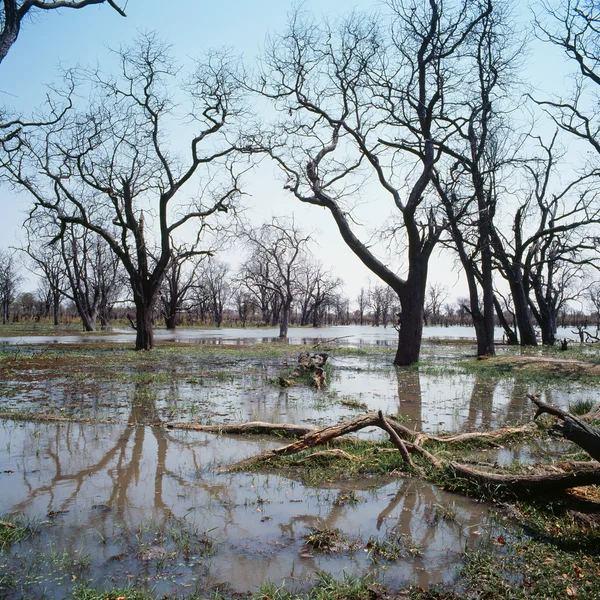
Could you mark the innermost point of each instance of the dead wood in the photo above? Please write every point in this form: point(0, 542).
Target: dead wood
point(395, 439)
point(572, 428)
point(8, 524)
point(314, 364)
point(548, 479)
point(310, 440)
point(551, 480)
point(256, 427)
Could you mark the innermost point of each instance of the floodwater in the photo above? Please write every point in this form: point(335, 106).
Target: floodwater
point(140, 505)
point(345, 335)
point(130, 501)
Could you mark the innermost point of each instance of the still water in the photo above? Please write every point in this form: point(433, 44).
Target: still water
point(141, 505)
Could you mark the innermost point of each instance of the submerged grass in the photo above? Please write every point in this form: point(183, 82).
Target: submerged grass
point(15, 529)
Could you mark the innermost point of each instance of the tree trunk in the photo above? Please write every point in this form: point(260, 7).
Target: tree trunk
point(144, 338)
point(511, 336)
point(170, 323)
point(56, 309)
point(526, 331)
point(411, 321)
point(285, 318)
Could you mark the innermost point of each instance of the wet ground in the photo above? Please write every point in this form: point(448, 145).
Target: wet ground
point(122, 499)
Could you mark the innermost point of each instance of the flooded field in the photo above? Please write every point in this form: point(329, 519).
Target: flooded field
point(117, 497)
point(141, 505)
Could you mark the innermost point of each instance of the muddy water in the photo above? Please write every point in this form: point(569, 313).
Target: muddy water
point(132, 504)
point(241, 389)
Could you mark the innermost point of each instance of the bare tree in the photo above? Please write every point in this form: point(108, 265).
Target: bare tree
point(318, 287)
point(180, 278)
point(47, 261)
point(381, 300)
point(13, 12)
point(468, 191)
point(277, 250)
point(553, 230)
point(437, 294)
point(362, 300)
point(110, 169)
point(9, 282)
point(362, 99)
point(212, 278)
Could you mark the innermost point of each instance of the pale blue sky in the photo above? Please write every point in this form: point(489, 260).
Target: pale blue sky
point(70, 37)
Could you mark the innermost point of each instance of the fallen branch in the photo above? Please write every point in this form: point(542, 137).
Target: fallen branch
point(256, 427)
point(316, 438)
point(546, 479)
point(571, 428)
point(395, 440)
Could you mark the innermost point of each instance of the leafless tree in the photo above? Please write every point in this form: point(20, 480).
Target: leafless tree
point(574, 27)
point(277, 252)
point(244, 303)
point(381, 301)
point(553, 234)
point(92, 272)
point(468, 190)
point(47, 261)
point(13, 12)
point(212, 278)
point(318, 287)
point(362, 300)
point(9, 282)
point(110, 169)
point(437, 294)
point(180, 278)
point(363, 99)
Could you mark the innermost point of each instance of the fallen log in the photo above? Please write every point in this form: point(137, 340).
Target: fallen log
point(573, 429)
point(310, 440)
point(553, 480)
point(545, 479)
point(395, 439)
point(253, 427)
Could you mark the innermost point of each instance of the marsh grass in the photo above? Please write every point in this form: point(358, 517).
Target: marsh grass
point(581, 407)
point(16, 529)
point(392, 547)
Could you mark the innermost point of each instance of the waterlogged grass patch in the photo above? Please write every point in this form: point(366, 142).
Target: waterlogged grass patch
point(327, 539)
point(528, 569)
point(545, 366)
point(15, 530)
point(85, 592)
point(393, 547)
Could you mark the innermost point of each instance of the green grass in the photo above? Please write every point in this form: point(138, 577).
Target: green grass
point(15, 529)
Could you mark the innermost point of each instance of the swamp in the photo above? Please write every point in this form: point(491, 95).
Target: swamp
point(120, 478)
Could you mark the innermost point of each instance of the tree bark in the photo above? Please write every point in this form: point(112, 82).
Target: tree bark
point(526, 331)
point(410, 334)
point(144, 332)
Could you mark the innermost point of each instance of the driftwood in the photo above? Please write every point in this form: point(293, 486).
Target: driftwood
point(571, 428)
point(256, 427)
point(314, 364)
point(550, 478)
